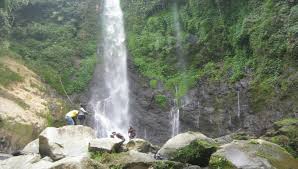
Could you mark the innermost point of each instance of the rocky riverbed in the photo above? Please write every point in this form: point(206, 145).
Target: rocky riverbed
point(76, 147)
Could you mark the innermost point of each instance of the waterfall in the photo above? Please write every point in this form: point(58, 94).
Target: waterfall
point(111, 113)
point(179, 49)
point(175, 110)
point(175, 114)
point(238, 103)
point(175, 117)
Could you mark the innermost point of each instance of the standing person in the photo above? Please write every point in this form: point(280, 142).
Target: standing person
point(82, 115)
point(131, 133)
point(71, 116)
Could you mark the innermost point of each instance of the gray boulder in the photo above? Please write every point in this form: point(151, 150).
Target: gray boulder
point(65, 141)
point(192, 167)
point(141, 145)
point(105, 145)
point(137, 160)
point(33, 161)
point(79, 162)
point(224, 139)
point(191, 147)
point(32, 147)
point(252, 154)
point(4, 156)
point(19, 162)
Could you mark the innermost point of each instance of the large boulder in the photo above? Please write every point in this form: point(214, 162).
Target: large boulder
point(76, 163)
point(65, 141)
point(33, 161)
point(135, 160)
point(252, 154)
point(4, 156)
point(105, 145)
point(285, 134)
point(19, 162)
point(32, 147)
point(141, 145)
point(191, 147)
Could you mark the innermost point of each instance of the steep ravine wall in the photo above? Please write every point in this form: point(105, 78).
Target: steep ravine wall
point(241, 81)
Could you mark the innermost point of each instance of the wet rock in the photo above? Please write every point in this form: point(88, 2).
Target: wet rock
point(19, 162)
point(76, 163)
point(129, 160)
point(32, 147)
point(65, 141)
point(105, 145)
point(34, 161)
point(4, 156)
point(137, 160)
point(224, 139)
point(141, 145)
point(192, 167)
point(191, 147)
point(252, 154)
point(285, 134)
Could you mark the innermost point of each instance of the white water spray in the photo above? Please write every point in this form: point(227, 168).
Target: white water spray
point(111, 114)
point(238, 103)
point(175, 118)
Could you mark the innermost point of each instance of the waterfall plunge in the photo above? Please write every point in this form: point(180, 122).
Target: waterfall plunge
point(111, 113)
point(181, 65)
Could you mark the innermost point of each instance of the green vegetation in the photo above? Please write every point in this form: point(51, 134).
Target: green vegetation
point(285, 134)
point(197, 153)
point(96, 155)
point(57, 40)
point(110, 159)
point(7, 76)
point(161, 100)
point(153, 84)
point(240, 136)
point(50, 120)
point(218, 162)
point(277, 156)
point(286, 122)
point(165, 165)
point(222, 41)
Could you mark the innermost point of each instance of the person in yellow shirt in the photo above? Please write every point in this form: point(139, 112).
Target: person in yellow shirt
point(71, 116)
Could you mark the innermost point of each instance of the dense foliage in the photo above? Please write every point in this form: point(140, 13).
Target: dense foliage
point(222, 40)
point(57, 39)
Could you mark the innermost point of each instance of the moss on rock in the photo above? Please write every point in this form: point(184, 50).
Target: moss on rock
point(219, 162)
point(255, 153)
point(197, 153)
point(285, 134)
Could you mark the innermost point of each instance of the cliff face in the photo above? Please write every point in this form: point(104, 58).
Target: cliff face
point(240, 64)
point(27, 105)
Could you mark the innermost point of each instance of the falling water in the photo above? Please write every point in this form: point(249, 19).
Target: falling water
point(239, 109)
point(175, 117)
point(199, 115)
point(145, 134)
point(111, 113)
point(175, 111)
point(179, 48)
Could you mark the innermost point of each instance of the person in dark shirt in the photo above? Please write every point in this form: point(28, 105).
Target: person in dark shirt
point(131, 133)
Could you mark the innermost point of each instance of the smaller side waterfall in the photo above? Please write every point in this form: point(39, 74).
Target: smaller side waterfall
point(175, 113)
point(238, 103)
point(175, 117)
point(181, 65)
